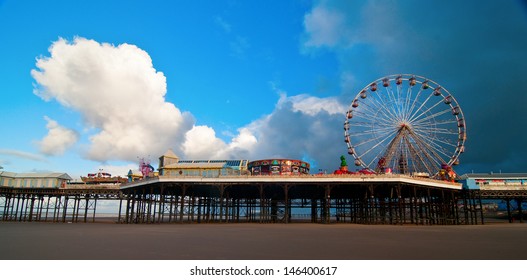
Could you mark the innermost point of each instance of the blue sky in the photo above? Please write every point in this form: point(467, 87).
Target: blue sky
point(244, 79)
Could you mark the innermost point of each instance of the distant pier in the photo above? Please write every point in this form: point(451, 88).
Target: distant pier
point(62, 205)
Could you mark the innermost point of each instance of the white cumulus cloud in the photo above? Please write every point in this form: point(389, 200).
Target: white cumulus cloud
point(58, 139)
point(201, 142)
point(312, 105)
point(117, 91)
point(324, 26)
point(300, 127)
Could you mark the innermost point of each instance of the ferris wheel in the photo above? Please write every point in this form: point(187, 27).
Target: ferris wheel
point(407, 124)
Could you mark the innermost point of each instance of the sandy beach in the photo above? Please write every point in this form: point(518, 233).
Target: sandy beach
point(106, 241)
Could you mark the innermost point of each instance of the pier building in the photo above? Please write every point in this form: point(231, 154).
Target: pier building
point(171, 165)
point(33, 180)
point(282, 167)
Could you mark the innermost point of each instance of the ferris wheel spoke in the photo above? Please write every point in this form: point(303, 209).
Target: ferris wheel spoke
point(410, 109)
point(389, 115)
point(419, 160)
point(445, 122)
point(440, 150)
point(446, 156)
point(369, 125)
point(369, 140)
point(371, 132)
point(416, 118)
point(367, 112)
point(426, 134)
point(386, 99)
point(431, 129)
point(426, 148)
point(436, 123)
point(431, 139)
point(398, 98)
point(404, 100)
point(370, 117)
point(394, 100)
point(426, 160)
point(399, 105)
point(412, 114)
point(376, 145)
point(436, 131)
point(373, 139)
point(431, 116)
point(409, 94)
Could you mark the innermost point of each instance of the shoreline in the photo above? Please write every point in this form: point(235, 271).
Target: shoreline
point(248, 241)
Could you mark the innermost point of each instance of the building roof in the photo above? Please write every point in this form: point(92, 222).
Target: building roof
point(196, 165)
point(169, 153)
point(492, 175)
point(232, 163)
point(64, 176)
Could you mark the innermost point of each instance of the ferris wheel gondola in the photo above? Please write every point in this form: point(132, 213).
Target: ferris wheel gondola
point(405, 123)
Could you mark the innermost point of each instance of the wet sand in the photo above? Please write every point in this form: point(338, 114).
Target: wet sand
point(103, 241)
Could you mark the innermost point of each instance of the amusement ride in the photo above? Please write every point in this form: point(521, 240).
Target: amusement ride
point(405, 124)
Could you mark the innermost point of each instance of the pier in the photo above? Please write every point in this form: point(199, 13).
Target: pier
point(361, 199)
